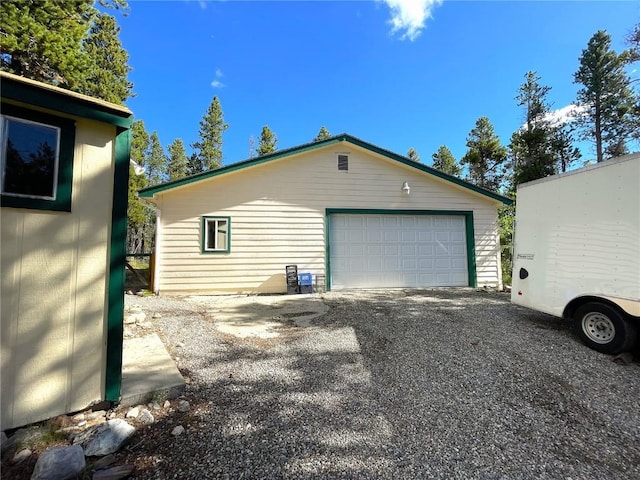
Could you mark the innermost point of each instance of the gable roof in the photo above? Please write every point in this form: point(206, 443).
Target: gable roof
point(149, 192)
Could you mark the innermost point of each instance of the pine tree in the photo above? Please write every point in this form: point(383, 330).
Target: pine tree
point(194, 164)
point(136, 210)
point(323, 134)
point(485, 156)
point(108, 69)
point(563, 150)
point(531, 146)
point(52, 42)
point(156, 161)
point(177, 167)
point(610, 116)
point(412, 154)
point(267, 142)
point(444, 161)
point(209, 146)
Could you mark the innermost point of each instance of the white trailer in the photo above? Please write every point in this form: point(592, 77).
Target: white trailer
point(577, 250)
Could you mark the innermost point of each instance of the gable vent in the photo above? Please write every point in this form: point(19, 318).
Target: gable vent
point(343, 163)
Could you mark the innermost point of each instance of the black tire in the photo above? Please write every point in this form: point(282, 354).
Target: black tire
point(604, 328)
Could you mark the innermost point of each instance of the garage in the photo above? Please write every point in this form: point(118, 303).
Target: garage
point(389, 250)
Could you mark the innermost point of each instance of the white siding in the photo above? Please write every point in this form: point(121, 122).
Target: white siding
point(54, 270)
point(277, 213)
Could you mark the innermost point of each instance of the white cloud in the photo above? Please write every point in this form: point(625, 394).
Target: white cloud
point(216, 83)
point(559, 117)
point(564, 114)
point(410, 15)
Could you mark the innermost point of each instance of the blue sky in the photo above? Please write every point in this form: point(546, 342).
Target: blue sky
point(394, 73)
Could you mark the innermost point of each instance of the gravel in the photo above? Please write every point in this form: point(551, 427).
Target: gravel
point(440, 383)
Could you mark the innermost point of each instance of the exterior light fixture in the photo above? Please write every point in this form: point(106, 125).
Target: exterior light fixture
point(405, 188)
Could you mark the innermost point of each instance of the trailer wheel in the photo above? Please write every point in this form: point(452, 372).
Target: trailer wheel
point(604, 328)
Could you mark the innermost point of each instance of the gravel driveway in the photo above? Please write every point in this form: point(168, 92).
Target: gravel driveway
point(442, 383)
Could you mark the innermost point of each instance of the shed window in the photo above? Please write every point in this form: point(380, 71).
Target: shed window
point(216, 234)
point(36, 152)
point(343, 163)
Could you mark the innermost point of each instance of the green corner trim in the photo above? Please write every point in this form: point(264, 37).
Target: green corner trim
point(115, 309)
point(203, 226)
point(64, 182)
point(469, 232)
point(344, 137)
point(58, 101)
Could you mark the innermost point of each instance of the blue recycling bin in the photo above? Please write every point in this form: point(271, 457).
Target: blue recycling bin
point(306, 283)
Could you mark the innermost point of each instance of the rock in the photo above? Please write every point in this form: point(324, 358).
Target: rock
point(135, 309)
point(179, 430)
point(140, 293)
point(105, 438)
point(166, 404)
point(104, 462)
point(129, 292)
point(96, 414)
point(135, 318)
point(146, 325)
point(133, 413)
point(21, 456)
point(128, 332)
point(183, 406)
point(80, 417)
point(114, 473)
point(23, 436)
point(156, 315)
point(59, 463)
point(155, 406)
point(145, 417)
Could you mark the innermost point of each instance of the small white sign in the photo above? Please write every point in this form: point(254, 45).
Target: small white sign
point(525, 256)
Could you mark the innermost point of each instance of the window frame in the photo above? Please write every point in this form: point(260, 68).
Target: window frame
point(63, 170)
point(204, 234)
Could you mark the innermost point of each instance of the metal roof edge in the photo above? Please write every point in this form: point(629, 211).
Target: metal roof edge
point(149, 192)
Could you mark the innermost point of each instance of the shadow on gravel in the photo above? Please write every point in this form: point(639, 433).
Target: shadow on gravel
point(402, 384)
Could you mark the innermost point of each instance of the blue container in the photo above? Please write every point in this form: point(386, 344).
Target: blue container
point(306, 279)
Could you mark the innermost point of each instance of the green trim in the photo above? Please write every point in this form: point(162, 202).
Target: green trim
point(327, 254)
point(115, 312)
point(469, 232)
point(64, 182)
point(203, 223)
point(344, 137)
point(471, 249)
point(59, 101)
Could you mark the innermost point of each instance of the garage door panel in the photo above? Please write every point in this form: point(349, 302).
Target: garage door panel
point(391, 249)
point(376, 251)
point(458, 264)
point(391, 236)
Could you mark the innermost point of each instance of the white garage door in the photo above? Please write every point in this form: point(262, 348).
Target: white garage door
point(376, 251)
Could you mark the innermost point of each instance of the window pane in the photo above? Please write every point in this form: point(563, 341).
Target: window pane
point(211, 234)
point(222, 234)
point(30, 159)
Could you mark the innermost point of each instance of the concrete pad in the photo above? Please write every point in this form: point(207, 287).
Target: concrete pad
point(148, 372)
point(261, 316)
